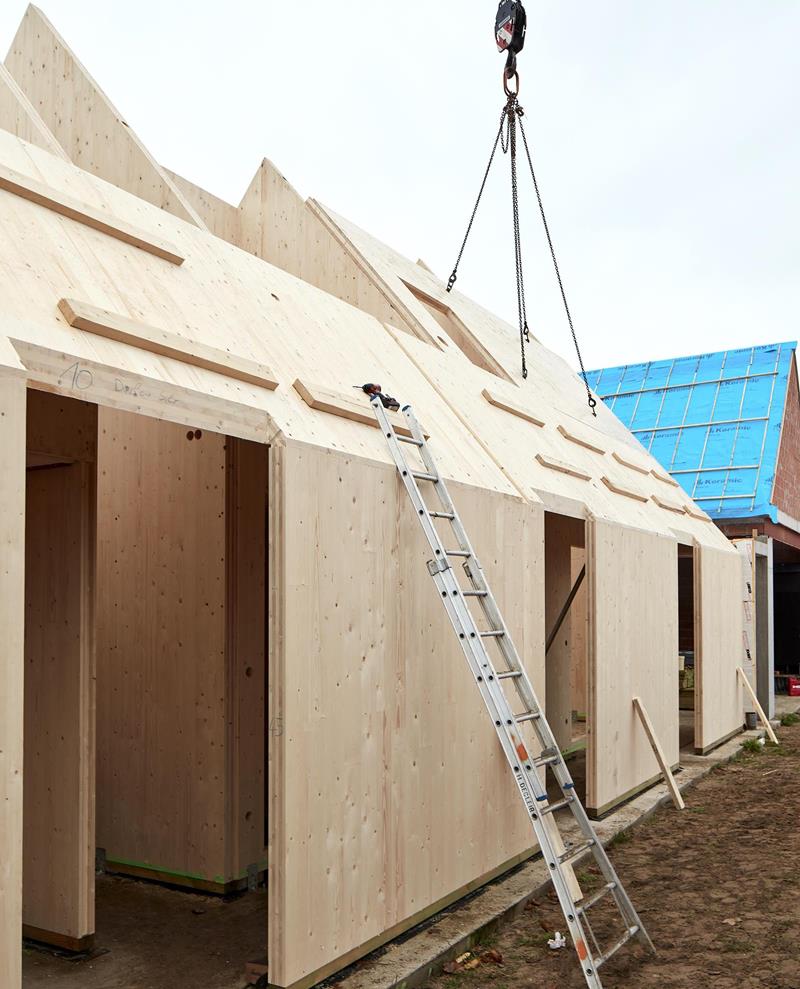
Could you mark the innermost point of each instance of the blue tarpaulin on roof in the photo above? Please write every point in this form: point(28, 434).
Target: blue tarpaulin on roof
point(713, 421)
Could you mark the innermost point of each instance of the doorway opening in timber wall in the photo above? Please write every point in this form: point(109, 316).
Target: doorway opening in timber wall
point(687, 631)
point(146, 675)
point(566, 629)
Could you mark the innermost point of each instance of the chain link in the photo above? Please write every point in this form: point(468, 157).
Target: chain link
point(507, 140)
point(591, 398)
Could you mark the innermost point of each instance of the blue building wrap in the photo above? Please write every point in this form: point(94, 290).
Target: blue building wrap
point(712, 420)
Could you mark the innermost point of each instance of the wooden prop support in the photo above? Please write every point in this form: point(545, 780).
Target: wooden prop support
point(760, 710)
point(565, 610)
point(672, 786)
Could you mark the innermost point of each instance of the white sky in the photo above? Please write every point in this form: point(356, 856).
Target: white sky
point(666, 136)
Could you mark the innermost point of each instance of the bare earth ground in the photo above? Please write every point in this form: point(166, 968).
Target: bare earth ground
point(150, 937)
point(716, 886)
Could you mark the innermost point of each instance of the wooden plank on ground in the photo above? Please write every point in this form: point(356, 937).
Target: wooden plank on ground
point(672, 786)
point(45, 195)
point(114, 326)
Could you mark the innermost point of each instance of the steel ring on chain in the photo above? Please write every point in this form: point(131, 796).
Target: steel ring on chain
point(507, 79)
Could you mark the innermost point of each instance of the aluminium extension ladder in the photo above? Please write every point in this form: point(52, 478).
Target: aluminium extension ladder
point(510, 724)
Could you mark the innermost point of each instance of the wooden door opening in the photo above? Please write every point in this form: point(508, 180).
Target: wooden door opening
point(566, 658)
point(177, 649)
point(688, 708)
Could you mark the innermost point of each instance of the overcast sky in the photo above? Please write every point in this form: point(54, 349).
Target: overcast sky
point(666, 137)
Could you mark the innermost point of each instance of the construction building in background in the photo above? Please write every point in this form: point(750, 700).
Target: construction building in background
point(222, 665)
point(726, 426)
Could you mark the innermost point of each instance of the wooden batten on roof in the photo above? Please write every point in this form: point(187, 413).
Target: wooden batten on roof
point(324, 400)
point(114, 326)
point(74, 209)
point(620, 490)
point(508, 405)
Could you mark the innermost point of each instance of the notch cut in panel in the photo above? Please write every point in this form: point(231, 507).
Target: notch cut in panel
point(114, 326)
point(562, 467)
point(507, 405)
point(458, 332)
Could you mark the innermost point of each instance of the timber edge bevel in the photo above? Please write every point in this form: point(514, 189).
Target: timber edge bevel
point(508, 406)
point(123, 329)
point(563, 468)
point(321, 399)
point(626, 492)
point(580, 440)
point(73, 209)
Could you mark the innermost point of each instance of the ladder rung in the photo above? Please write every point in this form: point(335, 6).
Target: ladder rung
point(576, 852)
point(442, 515)
point(421, 475)
point(529, 716)
point(552, 808)
point(475, 594)
point(408, 439)
point(596, 898)
point(546, 760)
point(508, 674)
point(459, 552)
point(495, 633)
point(631, 932)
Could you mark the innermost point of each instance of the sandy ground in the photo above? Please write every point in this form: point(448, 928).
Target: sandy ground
point(149, 937)
point(716, 886)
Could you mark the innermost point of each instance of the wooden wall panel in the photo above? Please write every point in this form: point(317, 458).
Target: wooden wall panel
point(12, 623)
point(18, 116)
point(390, 770)
point(161, 773)
point(58, 862)
point(634, 636)
point(579, 669)
point(82, 119)
point(276, 224)
point(246, 616)
point(561, 534)
point(720, 706)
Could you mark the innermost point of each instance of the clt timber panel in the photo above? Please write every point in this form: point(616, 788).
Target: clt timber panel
point(58, 859)
point(161, 771)
point(720, 708)
point(387, 754)
point(634, 636)
point(12, 663)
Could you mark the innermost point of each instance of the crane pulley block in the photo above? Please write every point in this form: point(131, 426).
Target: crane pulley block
point(509, 29)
